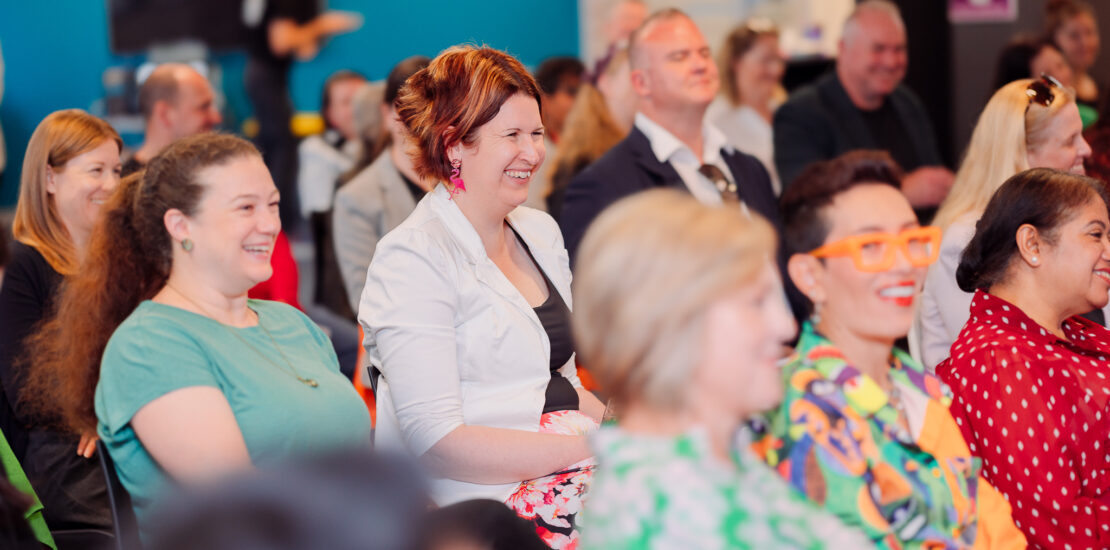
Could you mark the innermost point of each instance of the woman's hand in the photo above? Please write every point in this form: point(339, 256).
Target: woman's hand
point(87, 446)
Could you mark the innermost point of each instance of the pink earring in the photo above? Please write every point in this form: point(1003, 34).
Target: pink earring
point(457, 184)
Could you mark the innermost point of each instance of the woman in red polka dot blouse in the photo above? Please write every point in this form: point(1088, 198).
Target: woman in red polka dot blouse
point(1030, 377)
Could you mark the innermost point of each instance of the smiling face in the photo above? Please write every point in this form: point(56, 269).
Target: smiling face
point(498, 165)
point(81, 186)
point(1063, 146)
point(759, 71)
point(673, 68)
point(877, 305)
point(1076, 266)
point(1079, 41)
point(873, 56)
point(235, 225)
point(745, 331)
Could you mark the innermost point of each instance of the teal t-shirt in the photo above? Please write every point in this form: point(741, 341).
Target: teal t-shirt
point(161, 348)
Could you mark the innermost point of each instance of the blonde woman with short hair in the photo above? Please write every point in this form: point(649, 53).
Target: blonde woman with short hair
point(679, 314)
point(1028, 123)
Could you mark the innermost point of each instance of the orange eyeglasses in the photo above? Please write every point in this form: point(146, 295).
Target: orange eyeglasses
point(876, 251)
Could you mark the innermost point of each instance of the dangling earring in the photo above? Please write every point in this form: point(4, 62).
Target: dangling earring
point(457, 184)
point(187, 245)
point(815, 317)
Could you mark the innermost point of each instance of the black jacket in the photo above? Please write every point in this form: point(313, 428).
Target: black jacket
point(820, 122)
point(631, 167)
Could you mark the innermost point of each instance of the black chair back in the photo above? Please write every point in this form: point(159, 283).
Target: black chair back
point(124, 524)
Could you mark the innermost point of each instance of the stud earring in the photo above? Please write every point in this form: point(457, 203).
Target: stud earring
point(187, 245)
point(1034, 260)
point(457, 184)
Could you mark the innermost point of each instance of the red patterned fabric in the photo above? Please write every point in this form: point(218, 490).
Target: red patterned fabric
point(1034, 408)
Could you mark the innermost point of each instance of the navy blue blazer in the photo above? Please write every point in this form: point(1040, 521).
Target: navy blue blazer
point(631, 167)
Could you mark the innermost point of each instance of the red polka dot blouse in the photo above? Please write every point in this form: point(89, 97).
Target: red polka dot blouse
point(1033, 407)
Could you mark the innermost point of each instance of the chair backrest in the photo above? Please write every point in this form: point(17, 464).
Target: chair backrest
point(124, 524)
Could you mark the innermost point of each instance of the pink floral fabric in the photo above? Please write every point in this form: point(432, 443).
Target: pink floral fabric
point(554, 501)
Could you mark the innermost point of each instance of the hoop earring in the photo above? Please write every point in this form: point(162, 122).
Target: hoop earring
point(457, 184)
point(187, 245)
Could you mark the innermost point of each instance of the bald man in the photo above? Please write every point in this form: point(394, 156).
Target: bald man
point(863, 105)
point(675, 79)
point(176, 101)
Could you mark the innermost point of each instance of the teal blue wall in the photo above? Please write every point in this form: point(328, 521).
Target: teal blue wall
point(56, 50)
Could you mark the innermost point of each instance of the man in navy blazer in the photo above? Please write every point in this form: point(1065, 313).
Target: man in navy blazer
point(670, 145)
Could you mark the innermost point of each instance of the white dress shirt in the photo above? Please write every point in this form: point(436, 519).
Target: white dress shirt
point(455, 340)
point(670, 149)
point(319, 167)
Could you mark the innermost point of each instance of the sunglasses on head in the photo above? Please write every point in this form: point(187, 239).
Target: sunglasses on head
point(876, 252)
point(1040, 91)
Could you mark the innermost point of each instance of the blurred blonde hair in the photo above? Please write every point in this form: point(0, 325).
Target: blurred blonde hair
point(1008, 128)
point(647, 271)
point(590, 129)
point(60, 137)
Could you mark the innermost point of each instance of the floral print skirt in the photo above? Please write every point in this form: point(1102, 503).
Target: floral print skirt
point(552, 502)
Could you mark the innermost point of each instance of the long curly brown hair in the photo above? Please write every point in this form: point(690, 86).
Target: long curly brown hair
point(128, 260)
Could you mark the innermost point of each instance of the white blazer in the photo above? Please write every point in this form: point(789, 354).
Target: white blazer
point(456, 342)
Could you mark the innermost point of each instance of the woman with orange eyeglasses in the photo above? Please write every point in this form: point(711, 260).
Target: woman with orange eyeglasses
point(864, 431)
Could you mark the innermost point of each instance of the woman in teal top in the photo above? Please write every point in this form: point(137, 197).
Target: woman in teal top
point(683, 371)
point(196, 380)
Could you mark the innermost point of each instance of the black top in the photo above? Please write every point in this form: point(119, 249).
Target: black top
point(886, 128)
point(555, 317)
point(130, 167)
point(258, 39)
point(26, 297)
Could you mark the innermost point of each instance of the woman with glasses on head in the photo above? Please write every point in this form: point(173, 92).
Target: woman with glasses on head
point(1027, 124)
point(1031, 378)
point(864, 430)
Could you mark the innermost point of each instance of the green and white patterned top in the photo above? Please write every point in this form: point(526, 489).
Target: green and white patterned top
point(670, 492)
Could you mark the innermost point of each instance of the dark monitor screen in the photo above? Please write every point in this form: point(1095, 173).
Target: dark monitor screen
point(136, 25)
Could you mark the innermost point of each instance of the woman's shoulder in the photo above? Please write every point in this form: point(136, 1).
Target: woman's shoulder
point(29, 263)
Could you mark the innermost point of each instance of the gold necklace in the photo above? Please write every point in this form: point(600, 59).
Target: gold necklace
point(310, 382)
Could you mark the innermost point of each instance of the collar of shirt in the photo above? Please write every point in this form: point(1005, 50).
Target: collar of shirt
point(669, 149)
point(992, 311)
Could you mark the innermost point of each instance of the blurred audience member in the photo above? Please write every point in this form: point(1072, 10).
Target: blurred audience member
point(1033, 58)
point(1027, 124)
point(674, 79)
point(176, 101)
point(864, 430)
point(70, 169)
point(373, 130)
point(466, 305)
point(683, 374)
point(278, 31)
point(5, 257)
point(1098, 136)
point(1030, 376)
point(863, 105)
point(751, 66)
point(323, 158)
point(380, 197)
point(351, 500)
point(622, 18)
point(559, 79)
point(600, 118)
point(1072, 26)
point(196, 379)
